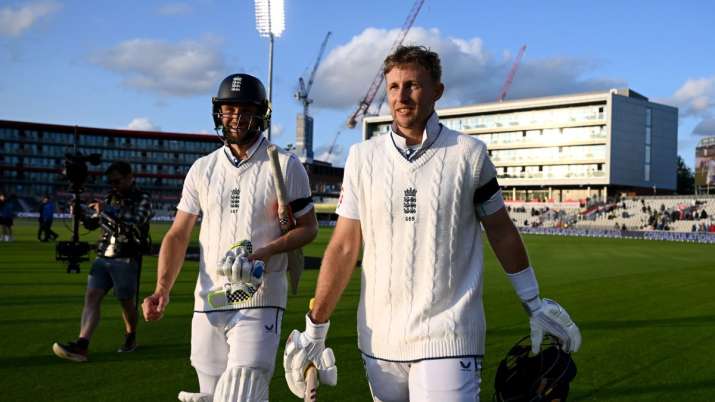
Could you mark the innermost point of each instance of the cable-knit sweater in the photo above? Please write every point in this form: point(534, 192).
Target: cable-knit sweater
point(421, 291)
point(240, 203)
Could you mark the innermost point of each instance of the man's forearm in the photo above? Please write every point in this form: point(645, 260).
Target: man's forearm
point(171, 258)
point(293, 239)
point(335, 273)
point(509, 249)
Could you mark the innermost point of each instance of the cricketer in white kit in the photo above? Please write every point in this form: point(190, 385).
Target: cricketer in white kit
point(415, 200)
point(240, 292)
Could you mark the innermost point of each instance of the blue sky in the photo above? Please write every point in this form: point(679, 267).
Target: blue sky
point(155, 64)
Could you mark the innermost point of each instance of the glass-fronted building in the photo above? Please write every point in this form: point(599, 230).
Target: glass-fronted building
point(33, 155)
point(570, 147)
point(32, 159)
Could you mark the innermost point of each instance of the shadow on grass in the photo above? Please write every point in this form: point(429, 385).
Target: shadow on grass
point(679, 322)
point(694, 321)
point(35, 300)
point(610, 389)
point(143, 353)
point(645, 390)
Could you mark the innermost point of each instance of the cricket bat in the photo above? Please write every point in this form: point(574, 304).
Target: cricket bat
point(311, 374)
point(285, 218)
point(311, 384)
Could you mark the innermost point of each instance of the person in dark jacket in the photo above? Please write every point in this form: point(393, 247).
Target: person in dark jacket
point(47, 212)
point(124, 218)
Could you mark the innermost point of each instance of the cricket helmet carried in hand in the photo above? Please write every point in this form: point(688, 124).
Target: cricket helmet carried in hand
point(241, 89)
point(525, 377)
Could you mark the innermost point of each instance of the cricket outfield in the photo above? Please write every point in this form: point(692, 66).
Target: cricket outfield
point(642, 306)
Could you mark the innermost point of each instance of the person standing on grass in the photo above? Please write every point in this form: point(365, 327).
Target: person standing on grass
point(124, 218)
point(7, 218)
point(47, 214)
point(235, 332)
point(415, 200)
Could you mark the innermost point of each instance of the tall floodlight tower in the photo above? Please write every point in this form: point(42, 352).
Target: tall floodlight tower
point(270, 23)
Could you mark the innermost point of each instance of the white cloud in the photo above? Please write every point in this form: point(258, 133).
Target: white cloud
point(322, 153)
point(176, 69)
point(696, 97)
point(14, 21)
point(706, 127)
point(695, 100)
point(470, 72)
point(277, 130)
point(143, 124)
point(174, 9)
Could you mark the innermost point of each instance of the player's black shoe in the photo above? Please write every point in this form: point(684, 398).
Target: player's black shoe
point(130, 343)
point(70, 351)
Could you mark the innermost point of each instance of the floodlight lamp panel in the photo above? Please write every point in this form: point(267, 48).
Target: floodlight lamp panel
point(270, 17)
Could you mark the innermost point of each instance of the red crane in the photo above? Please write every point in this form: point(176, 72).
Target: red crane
point(510, 77)
point(377, 81)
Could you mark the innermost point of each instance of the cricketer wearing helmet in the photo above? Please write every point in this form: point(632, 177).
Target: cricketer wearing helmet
point(415, 200)
point(240, 292)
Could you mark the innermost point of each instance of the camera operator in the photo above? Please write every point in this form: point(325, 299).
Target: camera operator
point(124, 218)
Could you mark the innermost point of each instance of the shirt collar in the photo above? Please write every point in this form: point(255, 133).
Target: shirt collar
point(432, 129)
point(249, 153)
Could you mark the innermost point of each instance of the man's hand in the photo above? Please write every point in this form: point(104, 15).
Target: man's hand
point(551, 318)
point(239, 269)
point(308, 347)
point(96, 205)
point(153, 306)
point(264, 254)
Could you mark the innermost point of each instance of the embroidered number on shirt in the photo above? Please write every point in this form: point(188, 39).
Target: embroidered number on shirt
point(410, 204)
point(235, 200)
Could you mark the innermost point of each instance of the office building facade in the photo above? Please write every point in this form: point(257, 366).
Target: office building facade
point(570, 147)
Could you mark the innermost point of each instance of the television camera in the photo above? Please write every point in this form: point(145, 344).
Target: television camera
point(75, 170)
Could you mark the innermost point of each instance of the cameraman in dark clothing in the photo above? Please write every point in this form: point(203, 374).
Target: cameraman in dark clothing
point(124, 218)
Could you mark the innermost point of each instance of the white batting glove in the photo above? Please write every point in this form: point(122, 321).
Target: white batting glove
point(195, 397)
point(549, 317)
point(304, 348)
point(240, 270)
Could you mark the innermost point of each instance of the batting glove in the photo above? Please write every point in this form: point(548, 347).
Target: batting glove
point(549, 317)
point(304, 348)
point(240, 270)
point(195, 397)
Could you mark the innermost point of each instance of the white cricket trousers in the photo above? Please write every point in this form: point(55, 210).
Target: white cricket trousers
point(443, 380)
point(247, 338)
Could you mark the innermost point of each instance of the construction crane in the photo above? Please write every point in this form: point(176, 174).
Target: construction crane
point(365, 103)
point(304, 123)
point(510, 77)
point(332, 147)
point(304, 90)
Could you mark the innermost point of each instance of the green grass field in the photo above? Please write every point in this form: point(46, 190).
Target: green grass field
point(645, 309)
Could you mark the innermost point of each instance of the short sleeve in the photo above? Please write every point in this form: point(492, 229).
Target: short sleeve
point(298, 187)
point(348, 206)
point(189, 202)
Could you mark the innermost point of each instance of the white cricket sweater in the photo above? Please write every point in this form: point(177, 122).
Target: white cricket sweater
point(421, 290)
point(240, 203)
